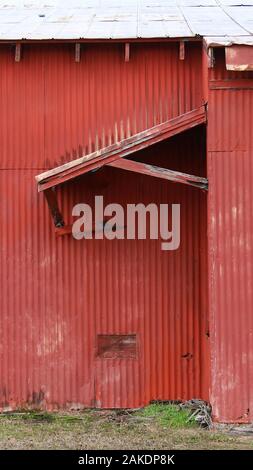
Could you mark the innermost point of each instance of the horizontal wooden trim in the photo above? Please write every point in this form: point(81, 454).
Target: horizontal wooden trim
point(121, 149)
point(68, 229)
point(235, 84)
point(163, 173)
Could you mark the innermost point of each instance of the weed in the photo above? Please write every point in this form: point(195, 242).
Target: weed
point(169, 415)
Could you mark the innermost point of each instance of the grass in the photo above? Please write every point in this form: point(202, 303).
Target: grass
point(169, 415)
point(157, 426)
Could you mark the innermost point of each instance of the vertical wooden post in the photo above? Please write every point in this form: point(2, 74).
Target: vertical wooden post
point(77, 52)
point(17, 52)
point(127, 52)
point(51, 199)
point(211, 59)
point(181, 50)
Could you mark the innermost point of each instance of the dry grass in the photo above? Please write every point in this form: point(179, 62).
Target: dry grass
point(155, 427)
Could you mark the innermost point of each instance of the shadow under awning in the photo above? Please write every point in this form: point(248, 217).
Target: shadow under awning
point(115, 155)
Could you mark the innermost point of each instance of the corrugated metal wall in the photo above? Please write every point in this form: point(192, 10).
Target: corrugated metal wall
point(230, 172)
point(53, 108)
point(58, 294)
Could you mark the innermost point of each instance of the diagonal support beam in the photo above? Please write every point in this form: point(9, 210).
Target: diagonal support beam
point(163, 173)
point(121, 149)
point(52, 202)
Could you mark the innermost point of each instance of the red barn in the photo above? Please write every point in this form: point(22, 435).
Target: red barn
point(149, 102)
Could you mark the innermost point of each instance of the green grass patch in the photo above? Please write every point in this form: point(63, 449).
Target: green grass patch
point(169, 415)
point(30, 416)
point(44, 417)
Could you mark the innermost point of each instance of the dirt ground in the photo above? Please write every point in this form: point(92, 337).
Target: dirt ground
point(112, 430)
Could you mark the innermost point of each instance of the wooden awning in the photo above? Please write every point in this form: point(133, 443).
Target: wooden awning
point(113, 155)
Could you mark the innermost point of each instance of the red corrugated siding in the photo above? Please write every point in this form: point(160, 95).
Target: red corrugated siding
point(230, 172)
point(54, 109)
point(58, 294)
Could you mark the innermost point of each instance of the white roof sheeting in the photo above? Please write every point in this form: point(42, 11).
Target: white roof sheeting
point(219, 21)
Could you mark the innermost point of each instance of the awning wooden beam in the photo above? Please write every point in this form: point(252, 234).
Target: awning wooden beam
point(52, 202)
point(163, 173)
point(121, 149)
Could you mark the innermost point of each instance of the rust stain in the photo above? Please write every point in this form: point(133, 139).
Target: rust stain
point(37, 398)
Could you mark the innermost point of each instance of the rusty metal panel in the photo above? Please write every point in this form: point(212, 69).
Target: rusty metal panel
point(110, 19)
point(230, 173)
point(55, 109)
point(59, 294)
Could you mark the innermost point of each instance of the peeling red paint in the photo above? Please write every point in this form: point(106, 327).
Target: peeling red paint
point(239, 58)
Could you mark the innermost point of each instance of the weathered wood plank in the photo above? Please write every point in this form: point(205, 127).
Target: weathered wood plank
point(182, 50)
point(127, 52)
point(163, 173)
point(68, 229)
point(121, 149)
point(77, 52)
point(54, 208)
point(17, 52)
